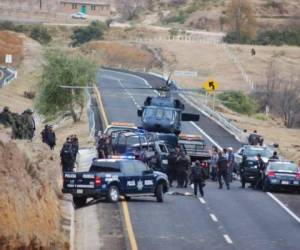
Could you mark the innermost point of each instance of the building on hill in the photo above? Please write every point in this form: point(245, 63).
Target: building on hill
point(89, 7)
point(45, 10)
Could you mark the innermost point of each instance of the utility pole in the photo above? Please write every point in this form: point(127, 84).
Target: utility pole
point(41, 4)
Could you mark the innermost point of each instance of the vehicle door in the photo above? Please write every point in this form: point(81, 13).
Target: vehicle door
point(146, 180)
point(163, 152)
point(131, 177)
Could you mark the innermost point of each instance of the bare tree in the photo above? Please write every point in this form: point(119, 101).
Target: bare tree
point(287, 101)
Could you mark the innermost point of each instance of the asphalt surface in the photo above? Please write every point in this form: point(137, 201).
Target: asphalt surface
point(224, 219)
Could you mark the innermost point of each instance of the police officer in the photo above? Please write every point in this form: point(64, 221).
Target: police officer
point(6, 117)
point(261, 167)
point(253, 138)
point(67, 156)
point(48, 136)
point(198, 178)
point(222, 170)
point(230, 163)
point(183, 165)
point(242, 170)
point(29, 123)
point(171, 171)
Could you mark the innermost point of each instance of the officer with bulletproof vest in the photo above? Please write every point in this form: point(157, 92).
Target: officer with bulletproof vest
point(67, 156)
point(198, 178)
point(242, 169)
point(222, 170)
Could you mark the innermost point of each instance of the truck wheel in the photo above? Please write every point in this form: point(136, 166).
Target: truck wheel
point(113, 194)
point(159, 193)
point(79, 201)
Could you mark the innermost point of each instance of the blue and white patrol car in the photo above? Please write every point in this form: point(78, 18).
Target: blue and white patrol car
point(111, 178)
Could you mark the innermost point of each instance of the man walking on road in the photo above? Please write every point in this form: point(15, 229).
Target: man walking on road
point(230, 163)
point(222, 170)
point(198, 177)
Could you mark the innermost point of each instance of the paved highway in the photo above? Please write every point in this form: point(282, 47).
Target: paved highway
point(223, 219)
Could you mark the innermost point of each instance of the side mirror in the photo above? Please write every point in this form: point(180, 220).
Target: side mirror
point(187, 117)
point(140, 112)
point(146, 172)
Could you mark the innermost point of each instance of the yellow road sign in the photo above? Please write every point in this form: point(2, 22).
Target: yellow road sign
point(210, 85)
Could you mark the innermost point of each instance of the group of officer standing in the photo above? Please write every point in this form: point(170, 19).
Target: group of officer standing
point(22, 125)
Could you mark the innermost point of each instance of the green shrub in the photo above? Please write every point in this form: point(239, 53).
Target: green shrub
point(94, 31)
point(239, 102)
point(8, 25)
point(179, 17)
point(269, 37)
point(40, 33)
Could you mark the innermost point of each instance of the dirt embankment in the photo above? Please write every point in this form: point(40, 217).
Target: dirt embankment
point(10, 44)
point(29, 198)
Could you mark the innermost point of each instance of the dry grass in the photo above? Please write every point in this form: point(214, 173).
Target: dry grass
point(10, 44)
point(115, 54)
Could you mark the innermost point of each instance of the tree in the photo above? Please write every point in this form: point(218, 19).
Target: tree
point(241, 20)
point(287, 101)
point(64, 69)
point(41, 34)
point(94, 31)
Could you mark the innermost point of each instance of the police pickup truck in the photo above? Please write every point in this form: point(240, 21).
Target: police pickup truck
point(111, 178)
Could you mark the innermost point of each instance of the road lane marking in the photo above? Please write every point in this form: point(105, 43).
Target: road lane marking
point(202, 200)
point(284, 207)
point(101, 106)
point(130, 232)
point(228, 239)
point(213, 217)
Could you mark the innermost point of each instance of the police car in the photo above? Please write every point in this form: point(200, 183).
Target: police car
point(111, 178)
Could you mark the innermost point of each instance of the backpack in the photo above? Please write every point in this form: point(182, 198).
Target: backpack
point(197, 172)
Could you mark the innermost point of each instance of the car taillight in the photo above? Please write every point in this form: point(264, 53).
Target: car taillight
point(98, 181)
point(298, 176)
point(271, 174)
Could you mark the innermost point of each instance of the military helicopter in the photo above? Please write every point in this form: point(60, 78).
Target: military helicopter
point(164, 113)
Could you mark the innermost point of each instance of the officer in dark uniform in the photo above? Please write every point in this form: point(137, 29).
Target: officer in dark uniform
point(182, 166)
point(242, 170)
point(222, 170)
point(171, 171)
point(274, 157)
point(67, 156)
point(198, 178)
point(261, 167)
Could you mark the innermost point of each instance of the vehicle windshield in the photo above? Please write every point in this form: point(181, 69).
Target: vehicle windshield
point(264, 152)
point(111, 130)
point(133, 140)
point(159, 113)
point(279, 166)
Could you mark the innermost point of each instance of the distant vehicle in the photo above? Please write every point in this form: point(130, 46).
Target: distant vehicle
point(111, 178)
point(79, 15)
point(194, 146)
point(252, 151)
point(115, 127)
point(250, 172)
point(281, 175)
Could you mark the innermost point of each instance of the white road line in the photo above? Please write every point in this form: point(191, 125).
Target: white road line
point(202, 200)
point(213, 217)
point(227, 238)
point(206, 135)
point(284, 207)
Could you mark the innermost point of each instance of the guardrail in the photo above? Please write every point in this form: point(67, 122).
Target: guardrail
point(91, 115)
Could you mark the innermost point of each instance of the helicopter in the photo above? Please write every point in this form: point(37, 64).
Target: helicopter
point(164, 113)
